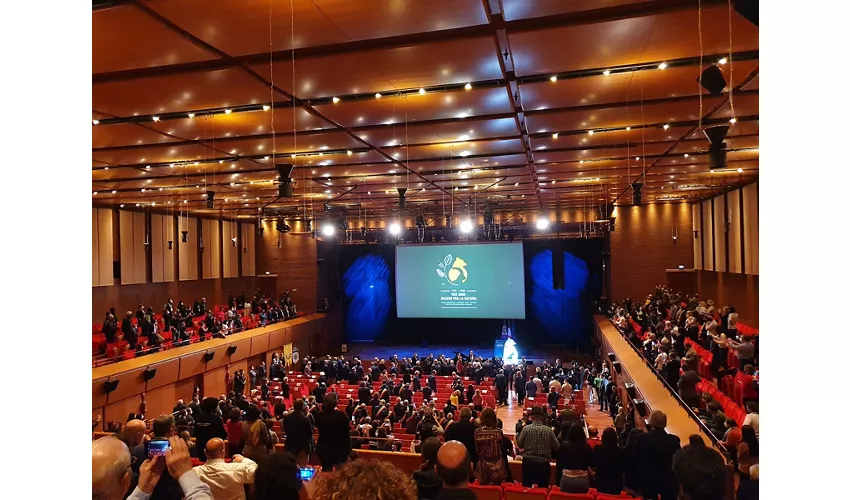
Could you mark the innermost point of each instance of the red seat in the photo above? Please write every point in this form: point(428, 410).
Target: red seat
point(516, 492)
point(486, 492)
point(575, 496)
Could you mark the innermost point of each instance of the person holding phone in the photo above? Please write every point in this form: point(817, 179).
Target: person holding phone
point(226, 480)
point(163, 428)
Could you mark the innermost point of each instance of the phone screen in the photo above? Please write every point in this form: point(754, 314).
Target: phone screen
point(155, 447)
point(306, 473)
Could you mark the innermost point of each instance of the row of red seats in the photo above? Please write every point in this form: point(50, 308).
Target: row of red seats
point(511, 491)
point(730, 408)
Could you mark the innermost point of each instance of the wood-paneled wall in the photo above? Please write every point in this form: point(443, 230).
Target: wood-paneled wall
point(162, 256)
point(727, 226)
point(188, 251)
point(229, 250)
point(211, 250)
point(102, 254)
point(248, 244)
point(132, 247)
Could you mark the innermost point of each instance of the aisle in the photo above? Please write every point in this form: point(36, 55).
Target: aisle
point(512, 412)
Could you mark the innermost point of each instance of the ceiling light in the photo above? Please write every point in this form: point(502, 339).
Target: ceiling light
point(665, 127)
point(196, 163)
point(95, 122)
point(191, 115)
point(468, 86)
point(328, 230)
point(637, 158)
point(147, 167)
point(606, 72)
point(160, 189)
point(377, 95)
point(555, 135)
point(421, 91)
point(395, 228)
point(265, 157)
point(553, 181)
point(94, 193)
point(662, 65)
point(114, 191)
point(516, 184)
point(732, 120)
point(138, 205)
point(143, 190)
point(156, 118)
point(542, 224)
point(466, 226)
point(292, 155)
point(335, 99)
point(266, 107)
point(221, 161)
point(121, 205)
point(553, 78)
point(580, 162)
point(590, 132)
point(686, 155)
point(628, 128)
point(740, 170)
point(227, 111)
point(171, 165)
point(722, 60)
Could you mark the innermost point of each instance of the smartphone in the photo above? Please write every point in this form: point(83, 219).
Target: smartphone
point(156, 447)
point(306, 473)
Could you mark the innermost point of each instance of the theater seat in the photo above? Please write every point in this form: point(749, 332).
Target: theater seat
point(486, 492)
point(575, 496)
point(605, 496)
point(516, 492)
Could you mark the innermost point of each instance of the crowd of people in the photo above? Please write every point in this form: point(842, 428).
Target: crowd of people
point(143, 329)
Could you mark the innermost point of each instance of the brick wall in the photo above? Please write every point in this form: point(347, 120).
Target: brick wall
point(294, 263)
point(642, 247)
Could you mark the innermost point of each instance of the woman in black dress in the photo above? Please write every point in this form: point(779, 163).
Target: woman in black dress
point(606, 462)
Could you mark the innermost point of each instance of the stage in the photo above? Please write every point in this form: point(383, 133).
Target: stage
point(371, 350)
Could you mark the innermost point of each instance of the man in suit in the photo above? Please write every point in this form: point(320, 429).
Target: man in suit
point(334, 444)
point(654, 452)
point(129, 330)
point(432, 381)
point(299, 433)
point(363, 393)
point(501, 384)
point(463, 431)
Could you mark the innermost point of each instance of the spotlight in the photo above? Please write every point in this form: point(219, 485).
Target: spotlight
point(421, 91)
point(466, 226)
point(228, 111)
point(468, 86)
point(266, 107)
point(606, 72)
point(395, 229)
point(335, 99)
point(712, 80)
point(328, 230)
point(553, 78)
point(662, 65)
point(377, 95)
point(95, 122)
point(542, 223)
point(155, 118)
point(191, 115)
point(722, 60)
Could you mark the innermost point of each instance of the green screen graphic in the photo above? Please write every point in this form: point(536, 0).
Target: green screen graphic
point(476, 280)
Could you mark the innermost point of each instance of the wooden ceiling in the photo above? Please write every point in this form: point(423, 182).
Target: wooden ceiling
point(534, 105)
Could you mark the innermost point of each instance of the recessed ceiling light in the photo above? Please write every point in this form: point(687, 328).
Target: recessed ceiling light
point(628, 128)
point(740, 170)
point(266, 107)
point(722, 60)
point(114, 191)
point(516, 184)
point(468, 86)
point(94, 193)
point(553, 182)
point(335, 99)
point(265, 157)
point(377, 95)
point(143, 190)
point(662, 65)
point(732, 120)
point(553, 78)
point(191, 115)
point(221, 161)
point(121, 205)
point(138, 205)
point(555, 135)
point(686, 155)
point(155, 118)
point(147, 167)
point(606, 72)
point(106, 168)
point(665, 127)
point(196, 163)
point(95, 122)
point(637, 158)
point(421, 91)
point(590, 132)
point(227, 111)
point(580, 162)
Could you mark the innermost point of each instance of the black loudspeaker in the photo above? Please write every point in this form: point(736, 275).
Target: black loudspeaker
point(557, 268)
point(612, 356)
point(717, 156)
point(149, 374)
point(618, 367)
point(208, 356)
point(210, 199)
point(284, 188)
point(231, 349)
point(749, 9)
point(116, 270)
point(110, 385)
point(640, 406)
point(712, 80)
point(636, 198)
point(401, 192)
point(630, 388)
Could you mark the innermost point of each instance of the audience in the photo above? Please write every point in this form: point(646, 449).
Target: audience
point(427, 482)
point(453, 469)
point(537, 444)
point(464, 432)
point(276, 478)
point(334, 444)
point(490, 464)
point(572, 460)
point(365, 479)
point(700, 473)
point(654, 454)
point(256, 436)
point(163, 429)
point(226, 480)
point(208, 425)
point(608, 464)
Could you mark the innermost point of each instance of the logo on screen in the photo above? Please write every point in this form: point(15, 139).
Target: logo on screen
point(453, 272)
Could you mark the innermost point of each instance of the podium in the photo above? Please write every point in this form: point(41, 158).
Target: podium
point(499, 348)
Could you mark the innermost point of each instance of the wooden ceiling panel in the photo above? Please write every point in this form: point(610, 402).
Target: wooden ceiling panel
point(523, 9)
point(157, 154)
point(634, 137)
point(461, 149)
point(126, 134)
point(618, 117)
point(630, 41)
point(124, 37)
point(601, 153)
point(331, 140)
point(432, 106)
point(443, 132)
point(624, 87)
point(384, 70)
point(175, 93)
point(223, 126)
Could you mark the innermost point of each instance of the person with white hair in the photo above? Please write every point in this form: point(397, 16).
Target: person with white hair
point(111, 473)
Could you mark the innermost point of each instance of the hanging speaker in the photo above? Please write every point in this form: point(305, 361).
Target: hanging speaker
point(110, 385)
point(210, 199)
point(231, 349)
point(640, 406)
point(717, 156)
point(284, 171)
point(630, 389)
point(149, 374)
point(208, 356)
point(636, 198)
point(401, 192)
point(712, 80)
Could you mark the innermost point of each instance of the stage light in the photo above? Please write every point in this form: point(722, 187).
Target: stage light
point(722, 60)
point(377, 95)
point(395, 229)
point(468, 86)
point(553, 78)
point(542, 224)
point(466, 226)
point(421, 91)
point(328, 230)
point(266, 107)
point(335, 99)
point(662, 65)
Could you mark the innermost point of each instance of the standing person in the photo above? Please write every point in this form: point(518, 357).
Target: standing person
point(752, 418)
point(654, 453)
point(537, 444)
point(334, 444)
point(700, 473)
point(453, 467)
point(519, 386)
point(226, 480)
point(501, 384)
point(746, 351)
point(490, 467)
point(573, 460)
point(299, 433)
point(427, 482)
point(606, 461)
point(464, 431)
point(208, 425)
point(255, 435)
point(234, 432)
